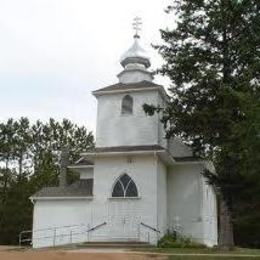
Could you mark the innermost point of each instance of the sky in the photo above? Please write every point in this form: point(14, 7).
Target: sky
point(53, 53)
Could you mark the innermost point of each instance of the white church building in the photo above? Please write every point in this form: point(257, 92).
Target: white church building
point(135, 185)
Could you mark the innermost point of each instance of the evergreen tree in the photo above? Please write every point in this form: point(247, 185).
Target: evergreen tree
point(212, 57)
point(29, 160)
point(247, 200)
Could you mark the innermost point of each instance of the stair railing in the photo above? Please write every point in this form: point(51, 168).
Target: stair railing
point(151, 229)
point(95, 228)
point(69, 233)
point(26, 235)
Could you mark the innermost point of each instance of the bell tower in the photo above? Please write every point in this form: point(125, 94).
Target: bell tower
point(121, 120)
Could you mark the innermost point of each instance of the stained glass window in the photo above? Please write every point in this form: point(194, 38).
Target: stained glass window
point(131, 190)
point(125, 187)
point(118, 190)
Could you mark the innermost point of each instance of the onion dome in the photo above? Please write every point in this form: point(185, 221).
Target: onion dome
point(135, 55)
point(135, 61)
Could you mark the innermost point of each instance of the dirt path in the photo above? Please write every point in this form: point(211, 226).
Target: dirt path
point(12, 253)
point(7, 254)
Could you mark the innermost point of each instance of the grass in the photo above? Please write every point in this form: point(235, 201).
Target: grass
point(209, 253)
point(236, 251)
point(210, 258)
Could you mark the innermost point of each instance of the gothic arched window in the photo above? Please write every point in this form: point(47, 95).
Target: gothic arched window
point(127, 105)
point(124, 187)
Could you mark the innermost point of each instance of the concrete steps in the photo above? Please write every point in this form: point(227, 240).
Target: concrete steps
point(115, 244)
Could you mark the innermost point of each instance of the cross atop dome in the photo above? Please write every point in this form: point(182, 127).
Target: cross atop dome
point(137, 26)
point(135, 60)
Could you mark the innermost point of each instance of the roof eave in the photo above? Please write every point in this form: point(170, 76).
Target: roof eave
point(34, 198)
point(96, 154)
point(80, 166)
point(166, 157)
point(195, 161)
point(107, 92)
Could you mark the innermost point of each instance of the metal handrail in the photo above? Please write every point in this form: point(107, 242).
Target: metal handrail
point(151, 228)
point(96, 227)
point(77, 233)
point(21, 240)
point(51, 228)
point(42, 229)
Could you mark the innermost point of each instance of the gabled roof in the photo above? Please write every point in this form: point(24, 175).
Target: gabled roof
point(81, 188)
point(131, 86)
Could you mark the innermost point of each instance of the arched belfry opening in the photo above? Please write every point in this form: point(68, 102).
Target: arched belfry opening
point(124, 187)
point(127, 105)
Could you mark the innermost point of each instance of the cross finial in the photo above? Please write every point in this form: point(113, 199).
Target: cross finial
point(137, 26)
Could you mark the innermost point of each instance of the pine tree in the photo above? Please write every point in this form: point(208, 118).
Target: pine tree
point(212, 57)
point(29, 160)
point(247, 200)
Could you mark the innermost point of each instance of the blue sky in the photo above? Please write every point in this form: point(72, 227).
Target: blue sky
point(53, 53)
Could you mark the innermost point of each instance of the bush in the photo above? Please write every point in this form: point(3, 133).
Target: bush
point(173, 241)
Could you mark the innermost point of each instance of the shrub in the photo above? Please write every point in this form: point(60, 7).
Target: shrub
point(173, 241)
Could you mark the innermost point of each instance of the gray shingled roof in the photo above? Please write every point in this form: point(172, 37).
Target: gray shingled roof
point(81, 188)
point(121, 86)
point(187, 159)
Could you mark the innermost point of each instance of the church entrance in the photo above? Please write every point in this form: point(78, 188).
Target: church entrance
point(123, 223)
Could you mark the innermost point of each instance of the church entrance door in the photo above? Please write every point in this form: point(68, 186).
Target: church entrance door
point(123, 222)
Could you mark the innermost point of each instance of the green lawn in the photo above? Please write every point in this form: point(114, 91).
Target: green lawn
point(236, 251)
point(210, 258)
point(210, 254)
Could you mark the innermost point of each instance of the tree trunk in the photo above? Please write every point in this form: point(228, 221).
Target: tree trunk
point(226, 238)
point(20, 161)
